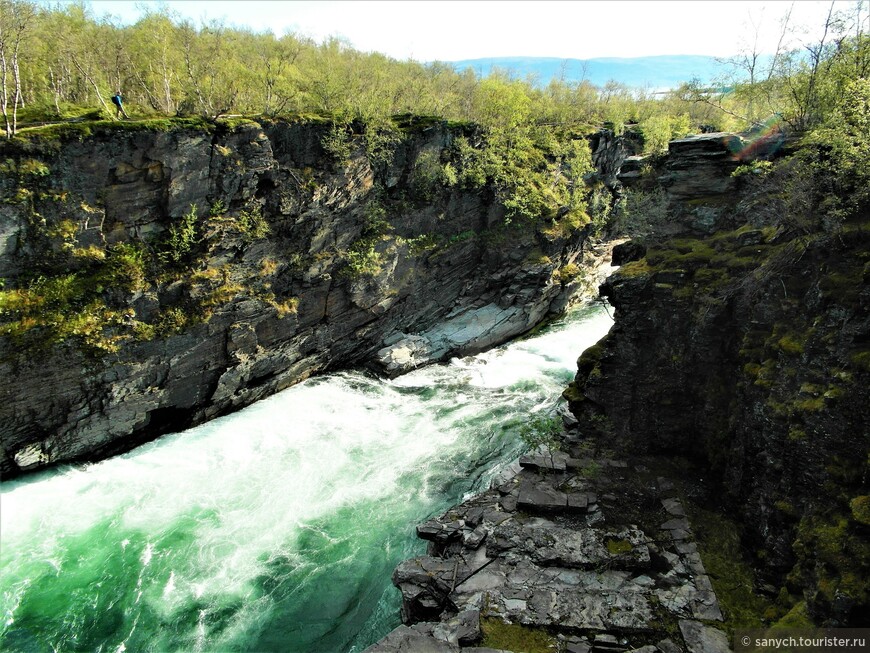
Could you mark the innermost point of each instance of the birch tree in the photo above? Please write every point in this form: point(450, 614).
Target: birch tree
point(15, 19)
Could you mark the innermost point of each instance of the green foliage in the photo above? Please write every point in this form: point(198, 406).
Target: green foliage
point(337, 141)
point(32, 168)
point(833, 556)
point(542, 434)
point(470, 164)
point(732, 577)
point(61, 132)
point(759, 167)
point(217, 208)
point(659, 130)
point(284, 308)
point(381, 140)
point(840, 153)
point(861, 509)
point(171, 320)
point(182, 237)
point(449, 175)
point(252, 225)
point(423, 243)
point(568, 273)
point(428, 175)
point(600, 208)
point(362, 260)
point(617, 547)
point(461, 237)
point(71, 62)
point(54, 310)
point(591, 469)
point(227, 125)
point(376, 223)
point(125, 268)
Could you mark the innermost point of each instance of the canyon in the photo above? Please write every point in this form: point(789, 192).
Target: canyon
point(304, 262)
point(732, 386)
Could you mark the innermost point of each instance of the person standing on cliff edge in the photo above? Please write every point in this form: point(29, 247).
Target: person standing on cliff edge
point(116, 100)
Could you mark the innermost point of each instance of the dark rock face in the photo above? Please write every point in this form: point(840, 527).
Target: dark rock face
point(440, 275)
point(610, 151)
point(748, 352)
point(627, 252)
point(694, 181)
point(696, 165)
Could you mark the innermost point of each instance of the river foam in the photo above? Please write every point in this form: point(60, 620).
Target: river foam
point(277, 527)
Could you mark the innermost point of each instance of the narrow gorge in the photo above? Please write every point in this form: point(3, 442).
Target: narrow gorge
point(715, 476)
point(706, 472)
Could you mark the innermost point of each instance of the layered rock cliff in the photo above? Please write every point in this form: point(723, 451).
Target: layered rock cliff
point(159, 275)
point(741, 344)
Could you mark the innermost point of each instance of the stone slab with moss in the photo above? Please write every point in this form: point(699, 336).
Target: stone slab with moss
point(618, 566)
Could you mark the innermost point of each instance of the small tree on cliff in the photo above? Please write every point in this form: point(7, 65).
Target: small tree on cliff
point(543, 433)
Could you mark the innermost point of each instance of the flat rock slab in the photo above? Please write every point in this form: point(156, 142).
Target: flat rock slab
point(585, 610)
point(546, 543)
point(541, 498)
point(678, 523)
point(436, 531)
point(674, 507)
point(543, 462)
point(463, 629)
point(529, 551)
point(578, 647)
point(406, 639)
point(703, 639)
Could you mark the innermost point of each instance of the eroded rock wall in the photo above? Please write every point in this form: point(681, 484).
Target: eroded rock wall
point(747, 351)
point(302, 262)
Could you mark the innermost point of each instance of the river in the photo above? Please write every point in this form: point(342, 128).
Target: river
point(275, 528)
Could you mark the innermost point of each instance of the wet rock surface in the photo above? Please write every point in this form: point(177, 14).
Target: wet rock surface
point(257, 314)
point(555, 548)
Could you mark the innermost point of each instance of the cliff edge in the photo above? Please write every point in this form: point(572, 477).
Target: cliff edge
point(159, 274)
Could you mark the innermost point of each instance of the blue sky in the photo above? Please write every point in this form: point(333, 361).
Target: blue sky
point(452, 30)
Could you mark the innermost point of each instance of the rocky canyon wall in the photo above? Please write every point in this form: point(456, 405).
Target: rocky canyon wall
point(742, 343)
point(160, 276)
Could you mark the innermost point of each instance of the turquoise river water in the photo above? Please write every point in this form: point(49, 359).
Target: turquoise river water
point(275, 528)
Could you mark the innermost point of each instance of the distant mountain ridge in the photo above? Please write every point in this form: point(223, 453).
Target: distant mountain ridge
point(656, 73)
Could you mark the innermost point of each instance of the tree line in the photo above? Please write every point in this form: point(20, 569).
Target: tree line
point(56, 60)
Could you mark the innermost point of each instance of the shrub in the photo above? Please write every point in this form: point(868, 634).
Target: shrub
point(338, 143)
point(125, 268)
point(252, 225)
point(182, 237)
point(32, 168)
point(568, 273)
point(376, 223)
point(428, 175)
point(381, 141)
point(362, 259)
point(542, 433)
point(660, 130)
point(761, 168)
point(861, 509)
